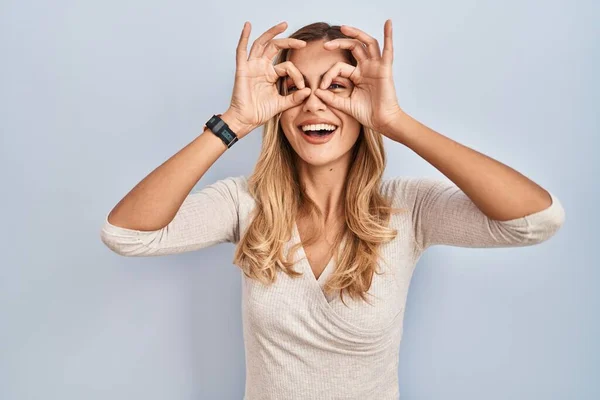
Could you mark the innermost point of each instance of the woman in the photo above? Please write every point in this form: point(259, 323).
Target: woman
point(326, 324)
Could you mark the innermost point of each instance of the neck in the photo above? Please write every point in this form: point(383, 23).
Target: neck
point(324, 184)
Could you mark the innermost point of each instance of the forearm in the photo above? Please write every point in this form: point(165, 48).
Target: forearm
point(497, 190)
point(155, 200)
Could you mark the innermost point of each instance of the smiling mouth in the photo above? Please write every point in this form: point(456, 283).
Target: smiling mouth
point(318, 133)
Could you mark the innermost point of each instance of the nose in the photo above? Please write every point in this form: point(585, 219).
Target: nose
point(313, 103)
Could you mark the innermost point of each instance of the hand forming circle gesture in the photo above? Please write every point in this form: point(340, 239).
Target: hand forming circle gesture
point(255, 96)
point(373, 101)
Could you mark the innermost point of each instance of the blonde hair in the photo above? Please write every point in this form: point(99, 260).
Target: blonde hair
point(280, 200)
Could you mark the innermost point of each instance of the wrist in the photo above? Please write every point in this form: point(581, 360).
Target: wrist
point(235, 125)
point(399, 126)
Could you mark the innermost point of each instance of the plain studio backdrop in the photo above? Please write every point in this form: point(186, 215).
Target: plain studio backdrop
point(94, 96)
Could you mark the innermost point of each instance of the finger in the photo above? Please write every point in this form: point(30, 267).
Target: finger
point(242, 47)
point(259, 44)
point(275, 45)
point(294, 99)
point(371, 42)
point(339, 69)
point(355, 46)
point(287, 68)
point(333, 100)
point(388, 44)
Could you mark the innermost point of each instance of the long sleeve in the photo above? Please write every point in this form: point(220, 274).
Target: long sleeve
point(206, 217)
point(442, 214)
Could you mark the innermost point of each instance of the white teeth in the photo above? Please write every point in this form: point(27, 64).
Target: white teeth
point(318, 127)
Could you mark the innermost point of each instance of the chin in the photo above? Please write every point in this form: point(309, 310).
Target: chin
point(319, 160)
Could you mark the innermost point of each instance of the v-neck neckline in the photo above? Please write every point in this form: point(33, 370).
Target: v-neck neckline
point(308, 268)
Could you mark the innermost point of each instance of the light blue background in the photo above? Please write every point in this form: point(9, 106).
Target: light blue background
point(94, 96)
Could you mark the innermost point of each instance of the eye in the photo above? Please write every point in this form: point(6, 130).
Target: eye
point(333, 84)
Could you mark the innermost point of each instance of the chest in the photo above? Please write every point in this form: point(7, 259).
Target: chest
point(289, 303)
point(297, 308)
point(318, 256)
point(318, 253)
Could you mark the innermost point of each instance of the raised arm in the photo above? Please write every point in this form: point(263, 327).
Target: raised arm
point(442, 214)
point(159, 215)
point(154, 201)
point(206, 217)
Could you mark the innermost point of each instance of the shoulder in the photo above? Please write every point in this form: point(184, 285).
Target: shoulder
point(238, 188)
point(406, 189)
point(401, 189)
point(241, 185)
point(233, 184)
point(238, 184)
point(232, 190)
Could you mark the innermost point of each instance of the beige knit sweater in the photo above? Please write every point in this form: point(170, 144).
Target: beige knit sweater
point(301, 344)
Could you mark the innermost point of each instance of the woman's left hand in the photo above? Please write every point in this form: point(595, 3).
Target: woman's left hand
point(373, 101)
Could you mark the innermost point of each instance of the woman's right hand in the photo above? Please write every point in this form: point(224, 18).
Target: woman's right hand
point(255, 96)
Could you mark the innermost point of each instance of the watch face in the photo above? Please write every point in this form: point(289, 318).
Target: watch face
point(228, 135)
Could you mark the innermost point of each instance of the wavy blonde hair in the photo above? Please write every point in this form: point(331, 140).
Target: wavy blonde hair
point(280, 200)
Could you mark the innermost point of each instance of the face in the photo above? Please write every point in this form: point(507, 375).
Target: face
point(313, 61)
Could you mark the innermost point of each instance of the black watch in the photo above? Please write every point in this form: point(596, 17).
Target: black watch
point(222, 130)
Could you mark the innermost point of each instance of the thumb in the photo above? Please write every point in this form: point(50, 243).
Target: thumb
point(333, 100)
point(295, 98)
